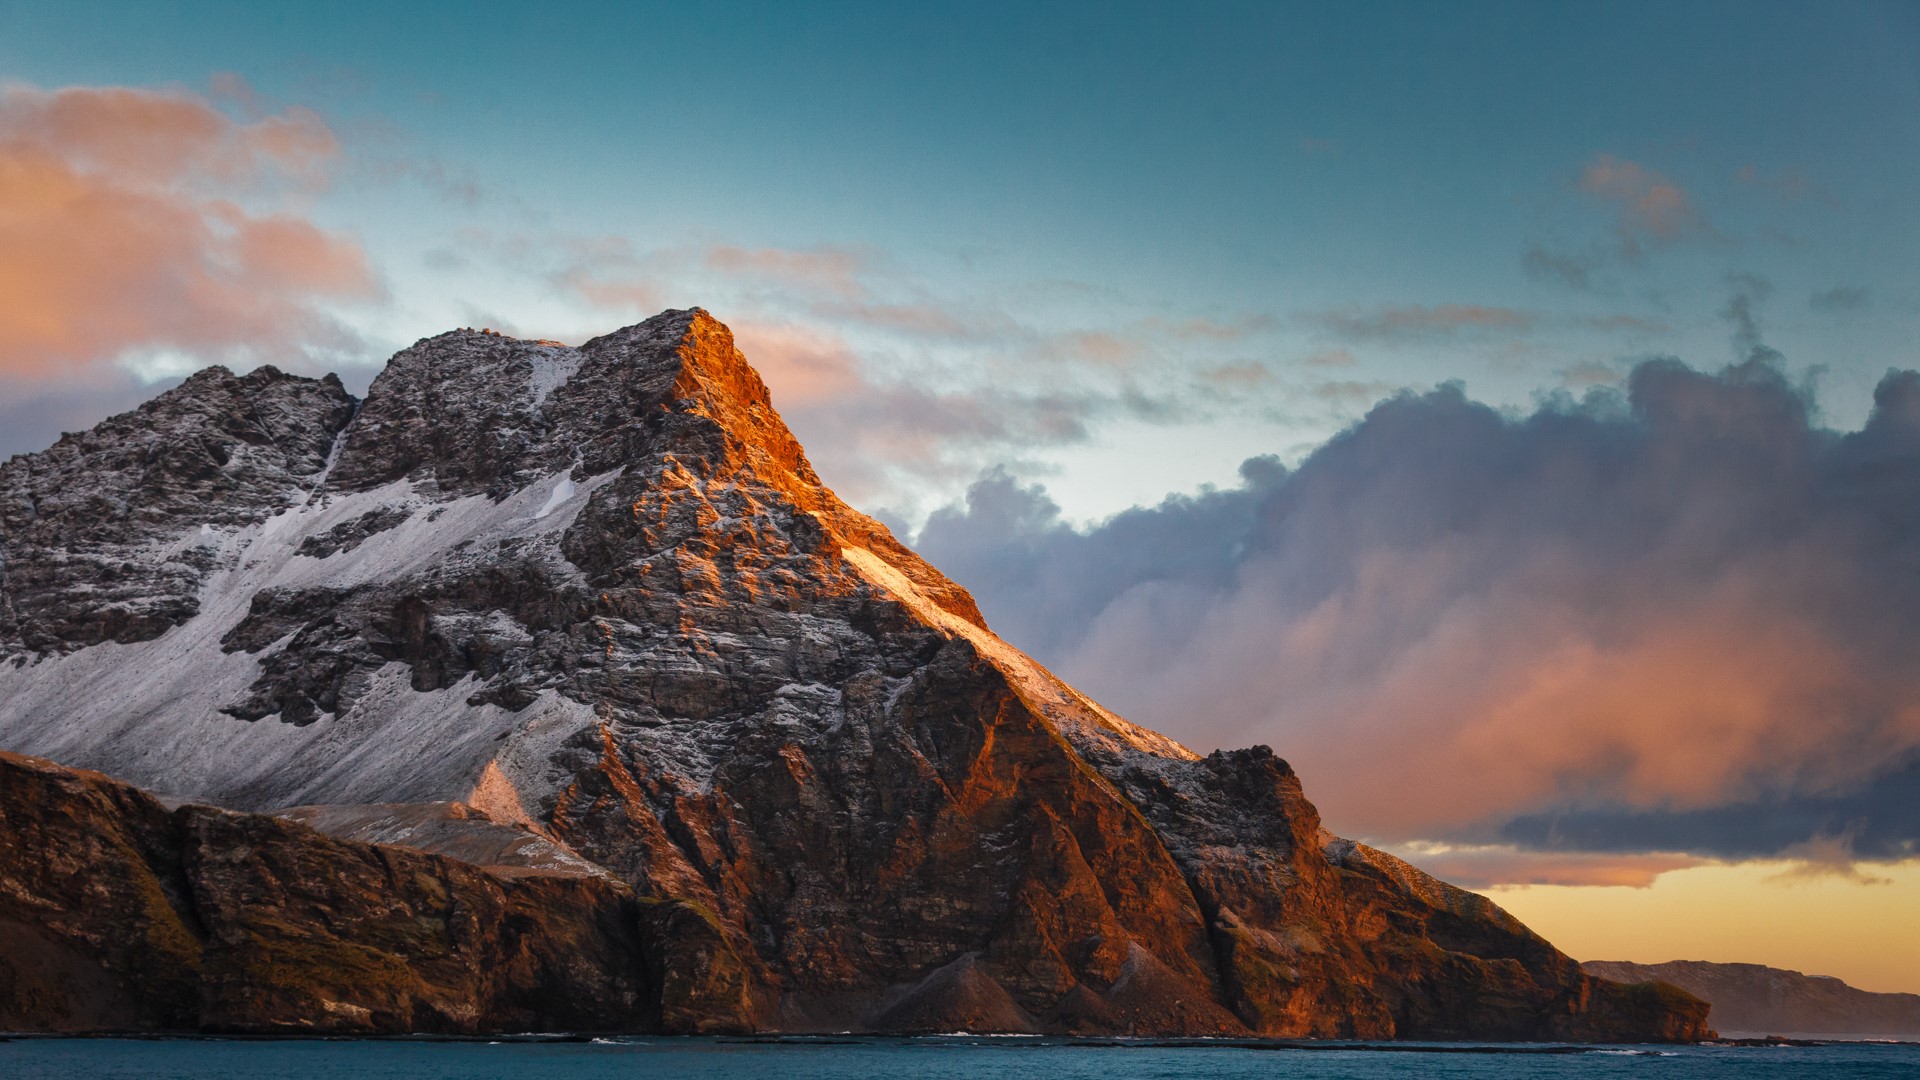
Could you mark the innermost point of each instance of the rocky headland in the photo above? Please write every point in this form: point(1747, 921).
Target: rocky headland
point(1754, 999)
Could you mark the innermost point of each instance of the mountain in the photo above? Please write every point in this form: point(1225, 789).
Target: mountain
point(535, 607)
point(1759, 999)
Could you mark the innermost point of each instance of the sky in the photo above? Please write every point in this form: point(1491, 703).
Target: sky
point(1497, 409)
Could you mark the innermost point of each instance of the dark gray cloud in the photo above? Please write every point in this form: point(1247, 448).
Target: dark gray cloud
point(1879, 820)
point(1680, 616)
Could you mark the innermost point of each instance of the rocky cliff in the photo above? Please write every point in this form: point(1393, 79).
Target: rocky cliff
point(1756, 999)
point(118, 914)
point(598, 594)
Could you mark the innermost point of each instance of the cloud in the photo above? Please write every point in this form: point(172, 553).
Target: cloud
point(1840, 298)
point(901, 391)
point(875, 437)
point(1329, 358)
point(1417, 324)
point(129, 224)
point(1749, 292)
point(1573, 271)
point(1649, 211)
point(1482, 866)
point(1652, 208)
point(831, 268)
point(1237, 376)
point(1880, 818)
point(1582, 376)
point(808, 367)
point(1652, 606)
point(1825, 855)
point(1214, 330)
point(1459, 324)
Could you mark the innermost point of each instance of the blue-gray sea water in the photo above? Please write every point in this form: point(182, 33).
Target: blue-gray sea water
point(940, 1058)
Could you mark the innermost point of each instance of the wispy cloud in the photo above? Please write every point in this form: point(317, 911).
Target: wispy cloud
point(1485, 866)
point(1826, 855)
point(1445, 324)
point(1649, 211)
point(1574, 270)
point(1840, 298)
point(902, 390)
point(1416, 323)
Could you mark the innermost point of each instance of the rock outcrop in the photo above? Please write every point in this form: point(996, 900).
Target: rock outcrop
point(1754, 999)
point(598, 593)
point(117, 914)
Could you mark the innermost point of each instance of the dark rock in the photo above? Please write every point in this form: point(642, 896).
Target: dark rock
point(350, 534)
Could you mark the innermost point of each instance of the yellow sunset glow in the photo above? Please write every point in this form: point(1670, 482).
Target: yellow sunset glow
point(1760, 913)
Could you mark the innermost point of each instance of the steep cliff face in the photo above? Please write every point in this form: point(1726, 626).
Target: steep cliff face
point(117, 914)
point(600, 593)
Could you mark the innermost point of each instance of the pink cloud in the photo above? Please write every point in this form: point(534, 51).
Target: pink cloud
point(1651, 205)
point(121, 229)
point(803, 368)
point(831, 269)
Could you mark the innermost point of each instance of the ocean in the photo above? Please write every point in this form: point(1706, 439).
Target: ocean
point(933, 1058)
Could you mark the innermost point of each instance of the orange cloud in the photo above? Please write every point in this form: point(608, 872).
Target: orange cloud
point(1650, 204)
point(1481, 866)
point(122, 229)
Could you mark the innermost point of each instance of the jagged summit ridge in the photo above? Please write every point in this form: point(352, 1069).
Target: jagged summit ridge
point(600, 594)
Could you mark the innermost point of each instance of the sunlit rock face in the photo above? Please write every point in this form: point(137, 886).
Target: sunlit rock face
point(598, 595)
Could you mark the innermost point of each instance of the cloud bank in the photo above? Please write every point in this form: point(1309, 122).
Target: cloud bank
point(1678, 618)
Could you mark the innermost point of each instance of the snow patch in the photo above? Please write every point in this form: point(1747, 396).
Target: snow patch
point(552, 367)
point(562, 491)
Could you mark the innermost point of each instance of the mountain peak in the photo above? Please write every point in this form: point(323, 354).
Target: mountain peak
point(598, 593)
point(472, 410)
